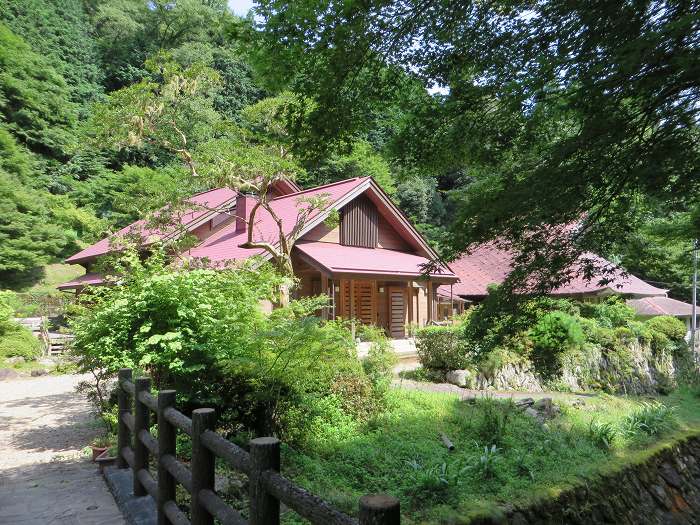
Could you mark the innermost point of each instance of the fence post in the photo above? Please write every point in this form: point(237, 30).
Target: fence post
point(379, 509)
point(141, 422)
point(124, 408)
point(166, 445)
point(202, 464)
point(264, 455)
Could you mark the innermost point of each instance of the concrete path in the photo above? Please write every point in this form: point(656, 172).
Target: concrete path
point(44, 477)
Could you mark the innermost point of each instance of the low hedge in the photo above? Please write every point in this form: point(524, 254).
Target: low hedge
point(19, 342)
point(442, 348)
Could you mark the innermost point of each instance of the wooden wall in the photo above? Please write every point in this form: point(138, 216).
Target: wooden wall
point(389, 239)
point(359, 223)
point(323, 233)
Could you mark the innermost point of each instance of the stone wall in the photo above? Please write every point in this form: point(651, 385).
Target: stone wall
point(510, 376)
point(633, 369)
point(663, 489)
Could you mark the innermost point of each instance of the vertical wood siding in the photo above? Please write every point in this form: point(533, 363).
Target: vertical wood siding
point(359, 225)
point(397, 312)
point(358, 300)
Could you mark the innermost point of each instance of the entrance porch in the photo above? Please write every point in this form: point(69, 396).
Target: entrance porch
point(388, 291)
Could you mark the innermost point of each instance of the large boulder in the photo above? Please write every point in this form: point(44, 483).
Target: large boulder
point(462, 378)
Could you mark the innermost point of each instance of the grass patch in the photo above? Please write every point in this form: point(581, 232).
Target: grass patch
point(51, 275)
point(501, 455)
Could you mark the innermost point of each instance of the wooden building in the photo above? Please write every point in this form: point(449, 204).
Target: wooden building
point(373, 264)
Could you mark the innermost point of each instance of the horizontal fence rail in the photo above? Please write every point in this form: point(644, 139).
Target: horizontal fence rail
point(267, 487)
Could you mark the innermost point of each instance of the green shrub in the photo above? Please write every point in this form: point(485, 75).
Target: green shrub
point(203, 332)
point(6, 311)
point(669, 326)
point(441, 348)
point(19, 342)
point(554, 333)
point(492, 425)
point(380, 360)
point(498, 319)
point(650, 419)
point(610, 313)
point(602, 435)
point(498, 358)
point(426, 375)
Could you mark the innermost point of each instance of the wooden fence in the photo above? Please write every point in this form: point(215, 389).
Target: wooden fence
point(267, 487)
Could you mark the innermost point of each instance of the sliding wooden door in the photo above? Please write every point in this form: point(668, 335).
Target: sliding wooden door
point(397, 312)
point(358, 300)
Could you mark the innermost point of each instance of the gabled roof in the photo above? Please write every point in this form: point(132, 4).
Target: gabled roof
point(653, 306)
point(218, 198)
point(226, 244)
point(337, 260)
point(488, 264)
point(89, 279)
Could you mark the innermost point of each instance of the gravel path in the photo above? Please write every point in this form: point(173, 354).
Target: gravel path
point(44, 477)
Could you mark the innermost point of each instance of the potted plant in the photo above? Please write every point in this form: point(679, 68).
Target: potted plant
point(99, 445)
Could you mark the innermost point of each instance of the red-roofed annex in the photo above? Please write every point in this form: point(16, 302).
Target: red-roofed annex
point(372, 265)
point(487, 264)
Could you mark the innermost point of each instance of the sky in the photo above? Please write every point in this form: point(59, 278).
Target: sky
point(240, 7)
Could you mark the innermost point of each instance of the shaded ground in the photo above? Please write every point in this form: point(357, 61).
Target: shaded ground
point(44, 477)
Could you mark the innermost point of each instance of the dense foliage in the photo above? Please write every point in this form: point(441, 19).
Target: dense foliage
point(204, 333)
point(15, 340)
point(442, 348)
point(550, 111)
point(596, 344)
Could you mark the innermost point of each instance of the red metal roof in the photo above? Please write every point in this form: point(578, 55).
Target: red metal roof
point(653, 306)
point(488, 264)
point(89, 279)
point(443, 292)
point(225, 244)
point(338, 259)
point(209, 199)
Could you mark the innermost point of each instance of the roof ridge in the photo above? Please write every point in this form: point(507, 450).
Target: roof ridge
point(315, 188)
point(207, 191)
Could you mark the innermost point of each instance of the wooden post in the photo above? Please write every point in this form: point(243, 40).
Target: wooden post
point(141, 422)
point(124, 408)
point(373, 298)
point(324, 291)
point(264, 455)
point(379, 509)
point(430, 301)
point(342, 313)
point(203, 461)
point(166, 445)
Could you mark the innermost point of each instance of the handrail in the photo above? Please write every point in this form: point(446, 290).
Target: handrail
point(147, 399)
point(303, 502)
point(268, 488)
point(232, 454)
point(179, 420)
